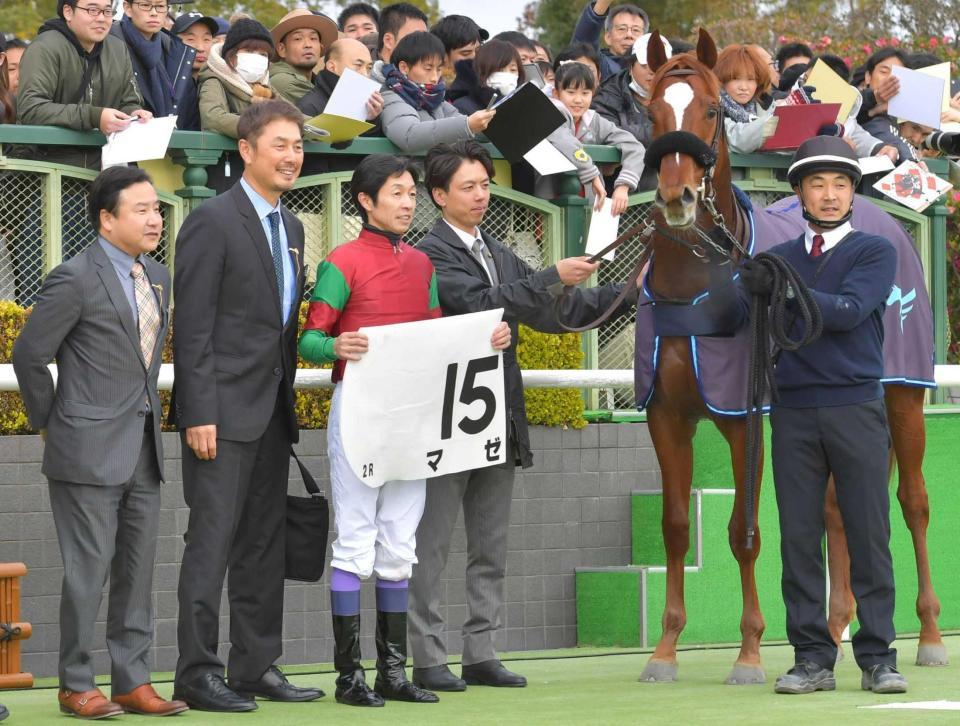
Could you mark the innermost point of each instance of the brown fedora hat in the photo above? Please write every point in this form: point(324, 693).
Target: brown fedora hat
point(304, 19)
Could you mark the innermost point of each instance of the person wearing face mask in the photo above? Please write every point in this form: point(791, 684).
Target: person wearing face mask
point(236, 76)
point(622, 99)
point(495, 72)
point(415, 115)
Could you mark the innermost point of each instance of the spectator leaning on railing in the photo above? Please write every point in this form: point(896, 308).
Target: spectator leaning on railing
point(415, 116)
point(495, 72)
point(196, 30)
point(461, 38)
point(301, 39)
point(621, 26)
point(78, 76)
point(162, 63)
point(345, 53)
point(15, 49)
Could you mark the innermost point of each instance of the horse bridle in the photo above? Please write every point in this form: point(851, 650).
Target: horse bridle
point(706, 156)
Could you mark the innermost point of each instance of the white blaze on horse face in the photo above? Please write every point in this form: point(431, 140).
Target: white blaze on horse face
point(679, 96)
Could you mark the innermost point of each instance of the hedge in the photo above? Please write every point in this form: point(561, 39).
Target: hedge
point(549, 407)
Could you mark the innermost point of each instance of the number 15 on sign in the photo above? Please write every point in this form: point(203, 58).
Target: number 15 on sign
point(427, 399)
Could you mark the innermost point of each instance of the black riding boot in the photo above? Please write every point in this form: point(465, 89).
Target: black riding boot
point(392, 680)
point(352, 688)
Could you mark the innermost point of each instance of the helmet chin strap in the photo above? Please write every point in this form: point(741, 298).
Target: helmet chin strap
point(826, 224)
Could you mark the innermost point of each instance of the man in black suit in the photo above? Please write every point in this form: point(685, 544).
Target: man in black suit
point(238, 281)
point(477, 272)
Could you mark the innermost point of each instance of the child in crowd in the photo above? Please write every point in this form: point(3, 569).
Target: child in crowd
point(495, 72)
point(744, 78)
point(579, 53)
point(415, 115)
point(573, 91)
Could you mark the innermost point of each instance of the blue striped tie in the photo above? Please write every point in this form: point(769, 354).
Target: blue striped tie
point(277, 253)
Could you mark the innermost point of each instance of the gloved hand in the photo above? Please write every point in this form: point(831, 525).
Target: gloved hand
point(756, 278)
point(809, 91)
point(833, 129)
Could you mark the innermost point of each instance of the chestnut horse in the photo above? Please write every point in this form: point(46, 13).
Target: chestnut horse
point(695, 204)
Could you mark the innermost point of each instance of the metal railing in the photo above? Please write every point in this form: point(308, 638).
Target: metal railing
point(42, 220)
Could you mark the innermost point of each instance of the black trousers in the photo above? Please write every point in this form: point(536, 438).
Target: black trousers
point(237, 522)
point(851, 442)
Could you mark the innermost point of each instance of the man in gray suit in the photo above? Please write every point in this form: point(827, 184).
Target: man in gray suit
point(477, 272)
point(103, 316)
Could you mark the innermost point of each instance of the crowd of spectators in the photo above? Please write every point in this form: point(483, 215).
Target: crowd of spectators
point(92, 67)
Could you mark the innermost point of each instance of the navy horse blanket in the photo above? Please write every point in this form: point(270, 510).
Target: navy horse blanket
point(721, 363)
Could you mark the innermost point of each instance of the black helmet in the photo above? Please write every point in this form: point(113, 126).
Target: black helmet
point(824, 153)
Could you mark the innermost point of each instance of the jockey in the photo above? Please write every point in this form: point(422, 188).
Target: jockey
point(830, 419)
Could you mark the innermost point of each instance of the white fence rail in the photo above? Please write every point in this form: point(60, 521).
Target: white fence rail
point(309, 378)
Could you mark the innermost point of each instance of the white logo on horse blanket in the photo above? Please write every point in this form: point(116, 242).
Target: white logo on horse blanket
point(426, 399)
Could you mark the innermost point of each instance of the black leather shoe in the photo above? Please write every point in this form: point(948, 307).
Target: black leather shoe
point(438, 678)
point(209, 692)
point(806, 677)
point(352, 690)
point(492, 673)
point(274, 686)
point(3, 712)
point(883, 678)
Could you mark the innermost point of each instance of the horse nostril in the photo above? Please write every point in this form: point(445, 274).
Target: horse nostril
point(688, 196)
point(658, 200)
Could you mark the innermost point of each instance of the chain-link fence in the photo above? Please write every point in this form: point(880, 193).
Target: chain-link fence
point(44, 220)
point(615, 340)
point(330, 217)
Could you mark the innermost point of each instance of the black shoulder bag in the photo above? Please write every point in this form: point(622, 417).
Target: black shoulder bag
point(308, 525)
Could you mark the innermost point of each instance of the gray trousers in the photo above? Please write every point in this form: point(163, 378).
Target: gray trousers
point(486, 496)
point(108, 530)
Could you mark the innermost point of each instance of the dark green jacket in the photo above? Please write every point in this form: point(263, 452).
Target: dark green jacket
point(51, 72)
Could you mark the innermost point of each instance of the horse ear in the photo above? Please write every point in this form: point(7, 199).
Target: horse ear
point(706, 49)
point(656, 53)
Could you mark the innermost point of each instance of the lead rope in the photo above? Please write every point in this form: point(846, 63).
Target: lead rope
point(768, 321)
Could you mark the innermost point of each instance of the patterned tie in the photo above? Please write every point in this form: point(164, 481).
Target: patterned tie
point(148, 312)
point(817, 248)
point(277, 254)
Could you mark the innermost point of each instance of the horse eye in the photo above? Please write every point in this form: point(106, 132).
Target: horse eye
point(711, 113)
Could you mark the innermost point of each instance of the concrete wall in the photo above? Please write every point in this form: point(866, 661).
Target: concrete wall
point(572, 508)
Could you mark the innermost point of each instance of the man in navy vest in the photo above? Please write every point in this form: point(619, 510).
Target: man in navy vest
point(830, 419)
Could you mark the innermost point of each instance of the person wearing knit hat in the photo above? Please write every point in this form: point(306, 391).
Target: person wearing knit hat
point(237, 74)
point(302, 39)
point(829, 419)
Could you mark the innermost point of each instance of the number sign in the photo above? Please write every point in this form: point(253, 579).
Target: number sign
point(426, 399)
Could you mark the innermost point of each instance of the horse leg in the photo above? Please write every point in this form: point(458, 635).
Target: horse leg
point(672, 436)
point(905, 418)
point(842, 605)
point(747, 668)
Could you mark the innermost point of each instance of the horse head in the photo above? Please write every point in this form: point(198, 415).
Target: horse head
point(689, 146)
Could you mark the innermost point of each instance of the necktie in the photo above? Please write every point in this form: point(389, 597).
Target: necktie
point(277, 253)
point(148, 313)
point(817, 248)
point(483, 255)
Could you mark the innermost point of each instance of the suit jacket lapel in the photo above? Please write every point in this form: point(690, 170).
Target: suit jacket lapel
point(261, 244)
point(442, 230)
point(108, 275)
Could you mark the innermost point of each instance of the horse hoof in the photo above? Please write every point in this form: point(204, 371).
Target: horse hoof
point(659, 672)
point(932, 655)
point(745, 675)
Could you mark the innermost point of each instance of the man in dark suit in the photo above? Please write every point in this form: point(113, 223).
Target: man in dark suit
point(239, 280)
point(103, 316)
point(477, 272)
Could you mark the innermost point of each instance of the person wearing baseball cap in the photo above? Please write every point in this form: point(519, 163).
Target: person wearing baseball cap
point(830, 419)
point(198, 31)
point(301, 38)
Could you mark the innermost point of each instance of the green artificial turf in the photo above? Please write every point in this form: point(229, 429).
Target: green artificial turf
point(596, 687)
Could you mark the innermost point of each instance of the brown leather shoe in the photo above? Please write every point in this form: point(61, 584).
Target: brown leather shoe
point(89, 705)
point(145, 701)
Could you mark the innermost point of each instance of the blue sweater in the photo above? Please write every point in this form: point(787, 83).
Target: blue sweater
point(845, 364)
